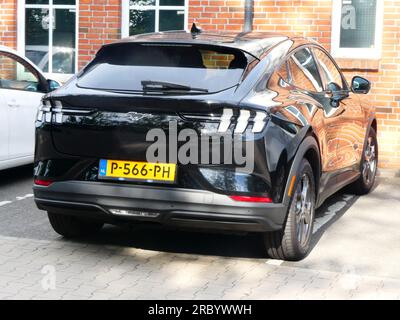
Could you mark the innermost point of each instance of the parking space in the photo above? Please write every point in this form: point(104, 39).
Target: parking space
point(356, 247)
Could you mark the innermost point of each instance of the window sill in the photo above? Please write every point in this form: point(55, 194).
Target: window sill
point(349, 64)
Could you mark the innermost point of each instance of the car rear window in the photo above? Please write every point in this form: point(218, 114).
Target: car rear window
point(124, 67)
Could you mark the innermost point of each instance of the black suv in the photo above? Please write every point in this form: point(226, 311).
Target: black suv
point(155, 127)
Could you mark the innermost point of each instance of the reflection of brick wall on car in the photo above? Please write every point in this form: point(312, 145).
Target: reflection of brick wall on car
point(348, 131)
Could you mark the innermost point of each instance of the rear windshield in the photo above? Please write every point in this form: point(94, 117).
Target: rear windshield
point(125, 67)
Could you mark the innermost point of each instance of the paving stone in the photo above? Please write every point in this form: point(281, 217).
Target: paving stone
point(96, 272)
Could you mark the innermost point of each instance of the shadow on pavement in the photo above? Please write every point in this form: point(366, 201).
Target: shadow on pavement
point(332, 214)
point(16, 175)
point(334, 208)
point(157, 238)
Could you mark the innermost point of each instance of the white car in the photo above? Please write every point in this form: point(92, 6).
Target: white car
point(22, 86)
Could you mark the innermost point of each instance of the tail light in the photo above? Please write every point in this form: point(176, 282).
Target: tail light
point(251, 199)
point(226, 120)
point(53, 111)
point(43, 183)
point(239, 120)
point(44, 112)
point(242, 121)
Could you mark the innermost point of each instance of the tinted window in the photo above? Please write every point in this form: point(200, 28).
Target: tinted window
point(332, 78)
point(304, 71)
point(124, 67)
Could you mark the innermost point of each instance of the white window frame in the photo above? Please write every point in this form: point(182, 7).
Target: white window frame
point(21, 33)
point(360, 53)
point(126, 7)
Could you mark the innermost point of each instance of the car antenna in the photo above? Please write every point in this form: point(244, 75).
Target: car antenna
point(194, 30)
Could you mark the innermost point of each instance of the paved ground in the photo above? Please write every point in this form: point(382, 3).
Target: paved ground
point(356, 255)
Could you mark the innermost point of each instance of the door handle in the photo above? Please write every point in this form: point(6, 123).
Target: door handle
point(13, 104)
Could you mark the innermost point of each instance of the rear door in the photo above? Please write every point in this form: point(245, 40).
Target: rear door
point(305, 76)
point(132, 88)
point(344, 111)
point(22, 91)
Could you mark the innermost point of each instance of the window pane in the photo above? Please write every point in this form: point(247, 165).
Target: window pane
point(141, 21)
point(172, 20)
point(217, 60)
point(172, 2)
point(37, 36)
point(69, 2)
point(358, 24)
point(125, 67)
point(37, 1)
point(65, 2)
point(304, 71)
point(13, 75)
point(142, 2)
point(333, 79)
point(64, 41)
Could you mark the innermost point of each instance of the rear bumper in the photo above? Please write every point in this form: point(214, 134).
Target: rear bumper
point(176, 207)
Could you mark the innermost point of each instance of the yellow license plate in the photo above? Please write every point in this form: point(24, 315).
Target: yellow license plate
point(132, 170)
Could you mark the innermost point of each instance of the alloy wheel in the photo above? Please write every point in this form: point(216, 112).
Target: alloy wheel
point(369, 163)
point(304, 210)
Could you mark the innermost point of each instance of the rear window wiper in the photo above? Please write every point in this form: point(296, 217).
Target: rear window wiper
point(167, 86)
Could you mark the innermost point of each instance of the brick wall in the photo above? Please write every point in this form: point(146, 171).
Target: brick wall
point(8, 24)
point(385, 88)
point(312, 18)
point(217, 14)
point(99, 23)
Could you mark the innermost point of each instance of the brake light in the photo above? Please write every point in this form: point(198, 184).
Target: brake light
point(251, 199)
point(43, 183)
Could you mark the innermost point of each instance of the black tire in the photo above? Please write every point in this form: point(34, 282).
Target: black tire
point(286, 244)
point(73, 227)
point(369, 161)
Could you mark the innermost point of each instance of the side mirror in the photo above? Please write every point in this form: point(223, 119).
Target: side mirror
point(360, 85)
point(53, 85)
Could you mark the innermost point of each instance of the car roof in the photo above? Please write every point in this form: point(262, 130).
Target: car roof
point(255, 43)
